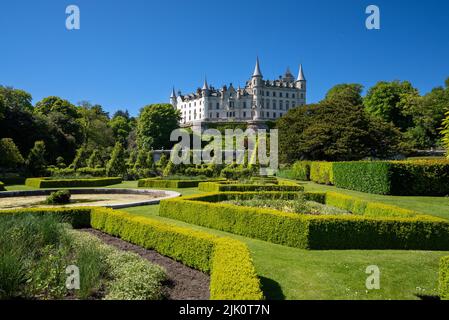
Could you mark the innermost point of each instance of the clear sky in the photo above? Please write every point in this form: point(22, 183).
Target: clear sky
point(130, 53)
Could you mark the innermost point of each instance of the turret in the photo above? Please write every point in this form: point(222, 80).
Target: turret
point(173, 99)
point(301, 80)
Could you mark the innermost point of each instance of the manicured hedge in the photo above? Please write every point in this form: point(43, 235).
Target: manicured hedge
point(233, 276)
point(2, 186)
point(424, 177)
point(322, 172)
point(444, 278)
point(311, 231)
point(239, 187)
point(8, 181)
point(301, 170)
point(71, 183)
point(161, 183)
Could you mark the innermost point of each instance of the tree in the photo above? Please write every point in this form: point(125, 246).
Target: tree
point(336, 129)
point(445, 133)
point(155, 124)
point(16, 98)
point(427, 113)
point(80, 160)
point(150, 160)
point(121, 128)
point(388, 100)
point(141, 162)
point(10, 158)
point(35, 162)
point(95, 127)
point(116, 166)
point(346, 94)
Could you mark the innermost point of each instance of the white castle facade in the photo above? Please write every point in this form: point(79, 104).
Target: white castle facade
point(259, 100)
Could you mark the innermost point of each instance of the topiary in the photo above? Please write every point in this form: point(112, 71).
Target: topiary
point(59, 197)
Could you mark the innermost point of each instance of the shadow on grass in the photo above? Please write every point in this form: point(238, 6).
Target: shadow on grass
point(271, 289)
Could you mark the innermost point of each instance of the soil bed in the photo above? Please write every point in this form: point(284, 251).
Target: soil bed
point(183, 283)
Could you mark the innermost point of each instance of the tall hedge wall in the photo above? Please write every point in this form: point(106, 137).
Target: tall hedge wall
point(443, 279)
point(322, 172)
point(233, 276)
point(71, 183)
point(424, 177)
point(390, 231)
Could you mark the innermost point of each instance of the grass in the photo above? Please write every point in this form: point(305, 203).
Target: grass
point(435, 206)
point(295, 274)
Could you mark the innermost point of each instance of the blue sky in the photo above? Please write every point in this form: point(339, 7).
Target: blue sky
point(130, 53)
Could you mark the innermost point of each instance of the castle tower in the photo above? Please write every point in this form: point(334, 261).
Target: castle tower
point(205, 95)
point(257, 85)
point(173, 99)
point(301, 80)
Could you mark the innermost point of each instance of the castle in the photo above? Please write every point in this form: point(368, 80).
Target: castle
point(260, 100)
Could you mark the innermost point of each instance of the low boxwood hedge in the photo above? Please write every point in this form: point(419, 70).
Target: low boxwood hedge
point(443, 279)
point(166, 183)
point(241, 187)
point(2, 186)
point(418, 178)
point(358, 231)
point(233, 276)
point(71, 183)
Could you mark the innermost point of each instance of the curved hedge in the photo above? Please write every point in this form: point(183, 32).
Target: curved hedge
point(161, 183)
point(2, 186)
point(241, 187)
point(443, 279)
point(71, 183)
point(233, 276)
point(417, 232)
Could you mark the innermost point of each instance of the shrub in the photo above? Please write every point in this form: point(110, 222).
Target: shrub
point(35, 162)
point(116, 166)
point(59, 197)
point(322, 172)
point(168, 183)
point(10, 155)
point(2, 186)
point(444, 278)
point(423, 177)
point(301, 170)
point(240, 187)
point(71, 183)
point(312, 231)
point(364, 176)
point(236, 172)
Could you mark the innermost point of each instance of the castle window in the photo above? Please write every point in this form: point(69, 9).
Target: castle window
point(281, 105)
point(302, 95)
point(218, 115)
point(287, 104)
point(244, 114)
point(274, 114)
point(268, 104)
point(274, 93)
point(280, 94)
point(210, 115)
point(268, 93)
point(293, 96)
point(218, 106)
point(286, 95)
point(274, 104)
point(244, 105)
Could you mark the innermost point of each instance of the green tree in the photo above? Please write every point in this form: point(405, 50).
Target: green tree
point(94, 121)
point(141, 162)
point(162, 163)
point(80, 160)
point(346, 94)
point(155, 124)
point(116, 166)
point(445, 132)
point(389, 101)
point(35, 162)
point(10, 158)
point(16, 98)
point(121, 128)
point(150, 160)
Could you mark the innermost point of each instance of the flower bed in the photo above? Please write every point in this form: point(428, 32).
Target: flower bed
point(248, 187)
point(233, 276)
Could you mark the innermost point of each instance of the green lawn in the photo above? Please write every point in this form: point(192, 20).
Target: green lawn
point(435, 206)
point(289, 273)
